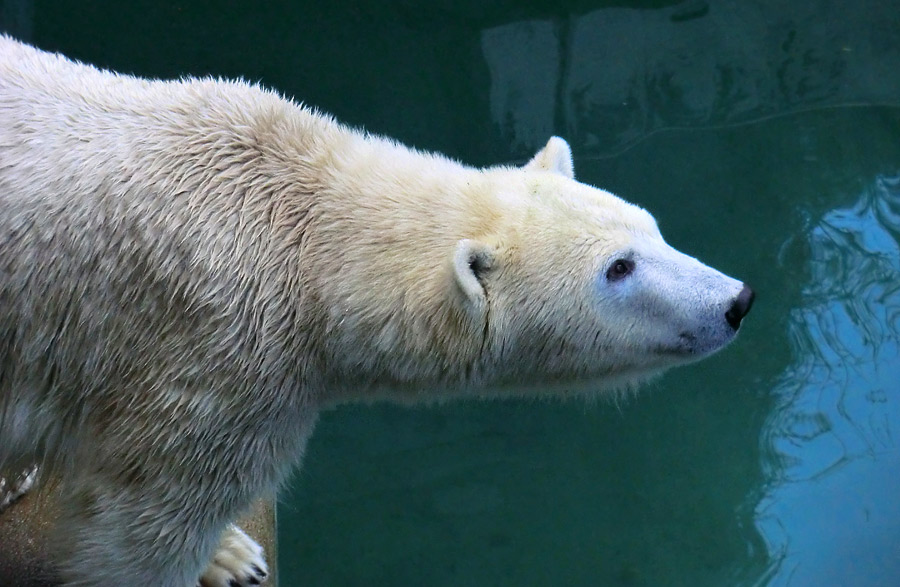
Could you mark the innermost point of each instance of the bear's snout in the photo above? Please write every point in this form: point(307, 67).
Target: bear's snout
point(740, 307)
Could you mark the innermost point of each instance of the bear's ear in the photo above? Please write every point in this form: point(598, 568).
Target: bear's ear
point(470, 261)
point(555, 157)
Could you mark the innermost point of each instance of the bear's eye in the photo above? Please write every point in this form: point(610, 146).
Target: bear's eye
point(620, 269)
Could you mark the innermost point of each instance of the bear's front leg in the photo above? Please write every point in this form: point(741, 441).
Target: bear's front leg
point(238, 562)
point(158, 532)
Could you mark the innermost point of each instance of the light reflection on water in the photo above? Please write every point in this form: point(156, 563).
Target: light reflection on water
point(831, 515)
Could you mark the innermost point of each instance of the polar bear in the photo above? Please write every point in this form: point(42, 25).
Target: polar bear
point(191, 270)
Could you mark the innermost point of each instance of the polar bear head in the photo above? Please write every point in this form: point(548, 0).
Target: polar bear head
point(573, 284)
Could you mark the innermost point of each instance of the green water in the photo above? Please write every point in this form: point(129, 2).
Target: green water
point(764, 136)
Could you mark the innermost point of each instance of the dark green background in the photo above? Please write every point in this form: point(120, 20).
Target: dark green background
point(765, 138)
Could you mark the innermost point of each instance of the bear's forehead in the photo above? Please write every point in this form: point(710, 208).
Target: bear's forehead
point(581, 205)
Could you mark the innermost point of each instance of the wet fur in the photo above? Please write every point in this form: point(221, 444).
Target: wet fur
point(148, 351)
point(164, 343)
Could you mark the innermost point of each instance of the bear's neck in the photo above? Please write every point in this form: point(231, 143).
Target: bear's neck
point(387, 223)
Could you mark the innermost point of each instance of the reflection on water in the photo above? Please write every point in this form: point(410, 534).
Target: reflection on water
point(610, 77)
point(831, 514)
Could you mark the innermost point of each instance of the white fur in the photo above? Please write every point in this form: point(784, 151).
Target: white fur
point(191, 270)
point(556, 157)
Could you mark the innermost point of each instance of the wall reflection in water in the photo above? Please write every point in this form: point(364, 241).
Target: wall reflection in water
point(608, 78)
point(831, 514)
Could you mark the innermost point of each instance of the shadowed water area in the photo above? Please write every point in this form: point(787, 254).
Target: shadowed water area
point(765, 138)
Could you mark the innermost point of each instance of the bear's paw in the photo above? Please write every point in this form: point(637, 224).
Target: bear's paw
point(238, 562)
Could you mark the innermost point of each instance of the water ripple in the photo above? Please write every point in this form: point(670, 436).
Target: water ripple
point(831, 445)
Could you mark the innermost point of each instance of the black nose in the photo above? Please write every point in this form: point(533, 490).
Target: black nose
point(740, 307)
